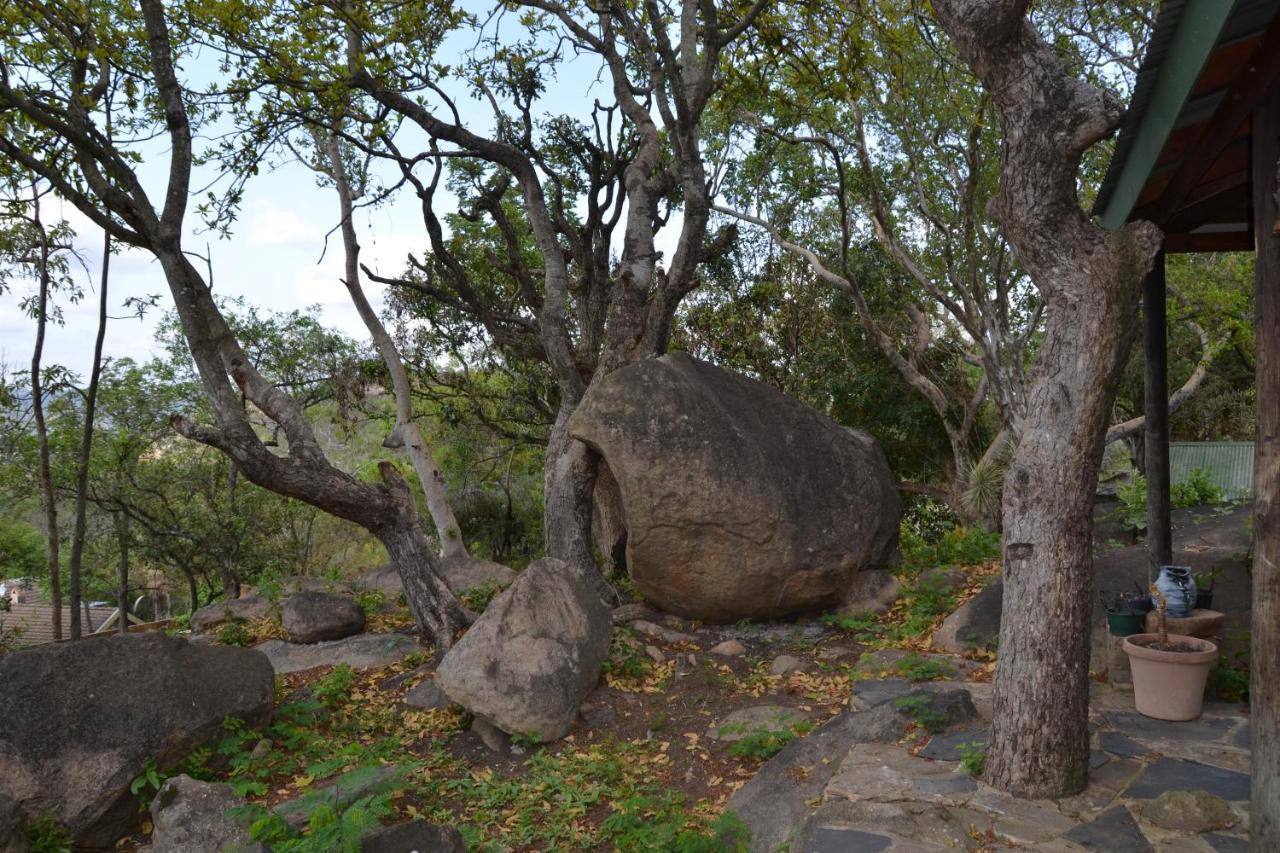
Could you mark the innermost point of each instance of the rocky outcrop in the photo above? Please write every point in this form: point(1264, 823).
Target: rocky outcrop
point(12, 837)
point(79, 721)
point(533, 655)
point(245, 609)
point(740, 502)
point(359, 652)
point(460, 573)
point(415, 835)
point(189, 816)
point(314, 617)
point(975, 624)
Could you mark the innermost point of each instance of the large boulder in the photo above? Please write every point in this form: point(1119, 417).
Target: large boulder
point(190, 816)
point(975, 624)
point(740, 502)
point(245, 609)
point(533, 655)
point(12, 837)
point(313, 617)
point(79, 721)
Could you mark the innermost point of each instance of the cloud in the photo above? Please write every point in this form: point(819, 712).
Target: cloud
point(268, 224)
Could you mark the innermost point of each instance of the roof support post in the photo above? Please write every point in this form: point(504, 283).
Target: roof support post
point(1264, 657)
point(1156, 444)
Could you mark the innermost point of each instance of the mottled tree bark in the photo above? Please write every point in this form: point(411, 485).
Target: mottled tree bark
point(1090, 280)
point(1264, 657)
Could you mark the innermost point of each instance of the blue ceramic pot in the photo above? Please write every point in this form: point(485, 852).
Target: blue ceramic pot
point(1179, 590)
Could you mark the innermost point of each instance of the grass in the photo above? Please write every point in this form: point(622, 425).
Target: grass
point(973, 757)
point(917, 707)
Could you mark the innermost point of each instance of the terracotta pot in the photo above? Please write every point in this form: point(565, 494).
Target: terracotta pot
point(1169, 685)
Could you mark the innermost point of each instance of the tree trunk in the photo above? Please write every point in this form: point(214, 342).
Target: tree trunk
point(406, 431)
point(569, 479)
point(1090, 280)
point(86, 444)
point(1264, 657)
point(42, 430)
point(122, 543)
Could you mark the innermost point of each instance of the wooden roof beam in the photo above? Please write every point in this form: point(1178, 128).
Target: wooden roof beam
point(1247, 91)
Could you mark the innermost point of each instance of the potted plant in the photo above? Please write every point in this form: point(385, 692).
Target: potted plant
point(1169, 670)
point(1123, 618)
point(1205, 582)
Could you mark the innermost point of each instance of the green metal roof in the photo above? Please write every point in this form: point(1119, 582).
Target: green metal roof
point(1228, 463)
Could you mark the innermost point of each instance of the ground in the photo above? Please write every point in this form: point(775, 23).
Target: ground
point(661, 746)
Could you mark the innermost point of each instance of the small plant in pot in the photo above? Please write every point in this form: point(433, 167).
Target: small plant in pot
point(1123, 617)
point(1205, 582)
point(1169, 670)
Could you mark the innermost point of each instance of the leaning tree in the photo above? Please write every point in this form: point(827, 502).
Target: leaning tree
point(1089, 279)
point(62, 69)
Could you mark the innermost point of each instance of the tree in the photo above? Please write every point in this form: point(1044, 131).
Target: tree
point(62, 69)
point(1089, 279)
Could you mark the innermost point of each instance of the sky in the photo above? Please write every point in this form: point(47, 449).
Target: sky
point(276, 257)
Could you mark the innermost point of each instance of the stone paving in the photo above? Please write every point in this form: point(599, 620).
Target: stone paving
point(842, 794)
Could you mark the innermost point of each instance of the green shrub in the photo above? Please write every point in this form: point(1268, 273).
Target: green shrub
point(23, 552)
point(478, 597)
point(1194, 489)
point(46, 834)
point(371, 600)
point(955, 546)
point(973, 757)
point(235, 633)
point(335, 688)
point(916, 668)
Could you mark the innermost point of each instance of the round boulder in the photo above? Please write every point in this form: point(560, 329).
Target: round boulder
point(313, 617)
point(739, 501)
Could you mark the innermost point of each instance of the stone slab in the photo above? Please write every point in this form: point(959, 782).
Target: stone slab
point(879, 773)
point(1227, 843)
point(946, 747)
point(1114, 831)
point(1146, 728)
point(1121, 744)
point(359, 652)
point(1172, 774)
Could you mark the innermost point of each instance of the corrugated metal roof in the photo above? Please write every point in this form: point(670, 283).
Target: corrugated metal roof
point(1228, 463)
point(35, 621)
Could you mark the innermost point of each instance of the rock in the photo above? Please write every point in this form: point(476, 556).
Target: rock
point(729, 649)
point(829, 653)
point(533, 655)
point(359, 652)
point(976, 624)
point(948, 580)
point(12, 837)
point(634, 611)
point(426, 696)
point(887, 774)
point(304, 583)
point(1205, 624)
point(740, 502)
point(80, 721)
point(490, 735)
point(873, 591)
point(415, 836)
point(932, 710)
point(460, 573)
point(1189, 811)
point(662, 634)
point(655, 654)
point(465, 572)
point(1114, 831)
point(757, 719)
point(384, 579)
point(1172, 774)
point(313, 617)
point(785, 665)
point(245, 609)
point(192, 817)
point(341, 792)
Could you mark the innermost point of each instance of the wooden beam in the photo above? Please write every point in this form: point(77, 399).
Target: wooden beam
point(1264, 658)
point(1248, 90)
point(1156, 445)
point(1199, 24)
point(1215, 241)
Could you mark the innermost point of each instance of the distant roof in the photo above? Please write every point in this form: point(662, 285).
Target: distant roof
point(1182, 158)
point(35, 622)
point(1229, 464)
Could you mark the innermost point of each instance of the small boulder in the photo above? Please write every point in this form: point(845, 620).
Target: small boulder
point(415, 836)
point(313, 617)
point(534, 654)
point(740, 502)
point(1189, 811)
point(464, 572)
point(460, 573)
point(976, 624)
point(193, 817)
point(79, 721)
point(785, 665)
point(932, 710)
point(361, 651)
point(873, 591)
point(662, 633)
point(426, 696)
point(246, 609)
point(729, 649)
point(757, 719)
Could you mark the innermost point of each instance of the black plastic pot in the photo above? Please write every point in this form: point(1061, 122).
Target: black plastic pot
point(1204, 599)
